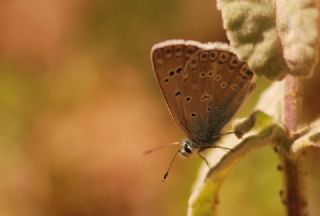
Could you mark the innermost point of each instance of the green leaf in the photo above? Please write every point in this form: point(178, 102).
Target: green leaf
point(297, 29)
point(309, 139)
point(256, 121)
point(274, 39)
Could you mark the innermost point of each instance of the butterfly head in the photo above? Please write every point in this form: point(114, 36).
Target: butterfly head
point(187, 148)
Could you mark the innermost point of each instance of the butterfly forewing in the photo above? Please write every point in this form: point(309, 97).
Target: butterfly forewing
point(169, 59)
point(207, 91)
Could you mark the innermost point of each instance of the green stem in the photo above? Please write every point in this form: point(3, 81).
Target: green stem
point(293, 194)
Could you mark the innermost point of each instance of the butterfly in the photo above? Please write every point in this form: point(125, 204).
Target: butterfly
point(204, 85)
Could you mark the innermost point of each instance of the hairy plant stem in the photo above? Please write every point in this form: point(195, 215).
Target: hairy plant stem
point(293, 193)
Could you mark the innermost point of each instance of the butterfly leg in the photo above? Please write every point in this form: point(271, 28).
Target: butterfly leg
point(203, 157)
point(220, 147)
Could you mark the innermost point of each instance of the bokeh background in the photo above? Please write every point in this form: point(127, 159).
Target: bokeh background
point(79, 104)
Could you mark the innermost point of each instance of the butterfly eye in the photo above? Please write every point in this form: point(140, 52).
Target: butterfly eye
point(210, 73)
point(193, 115)
point(187, 149)
point(209, 109)
point(166, 80)
point(202, 74)
point(171, 73)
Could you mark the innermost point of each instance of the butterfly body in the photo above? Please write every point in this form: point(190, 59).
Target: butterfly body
point(203, 85)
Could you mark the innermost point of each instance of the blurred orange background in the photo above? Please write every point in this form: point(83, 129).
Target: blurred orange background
point(79, 104)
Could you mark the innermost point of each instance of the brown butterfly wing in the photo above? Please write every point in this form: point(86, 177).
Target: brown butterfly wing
point(169, 59)
point(215, 83)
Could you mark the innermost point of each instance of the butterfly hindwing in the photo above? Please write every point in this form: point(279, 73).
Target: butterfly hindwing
point(216, 82)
